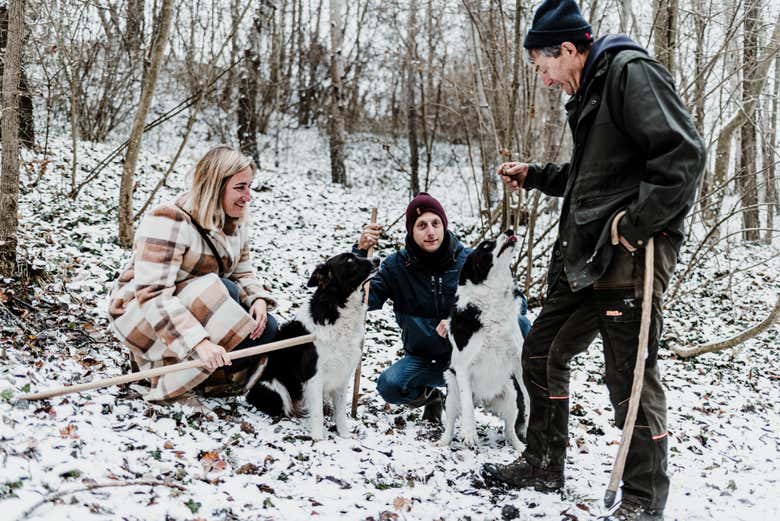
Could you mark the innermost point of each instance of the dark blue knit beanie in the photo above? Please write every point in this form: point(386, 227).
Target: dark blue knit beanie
point(555, 22)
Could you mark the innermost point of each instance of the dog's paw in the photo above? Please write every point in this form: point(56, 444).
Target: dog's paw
point(344, 433)
point(516, 443)
point(444, 441)
point(470, 439)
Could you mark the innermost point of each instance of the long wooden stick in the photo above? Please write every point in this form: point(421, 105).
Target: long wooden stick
point(356, 383)
point(158, 371)
point(639, 376)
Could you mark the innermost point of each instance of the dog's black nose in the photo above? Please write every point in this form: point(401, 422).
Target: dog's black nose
point(375, 261)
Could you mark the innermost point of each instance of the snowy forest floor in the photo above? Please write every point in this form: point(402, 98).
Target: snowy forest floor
point(226, 461)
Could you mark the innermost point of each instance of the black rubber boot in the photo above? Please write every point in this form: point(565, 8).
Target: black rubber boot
point(434, 406)
point(433, 400)
point(522, 474)
point(633, 511)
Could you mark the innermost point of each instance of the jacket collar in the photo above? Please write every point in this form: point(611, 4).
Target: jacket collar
point(443, 259)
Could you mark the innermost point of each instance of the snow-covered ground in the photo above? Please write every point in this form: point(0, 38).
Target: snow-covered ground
point(226, 461)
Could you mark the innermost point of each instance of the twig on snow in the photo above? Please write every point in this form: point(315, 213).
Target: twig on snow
point(62, 493)
point(734, 341)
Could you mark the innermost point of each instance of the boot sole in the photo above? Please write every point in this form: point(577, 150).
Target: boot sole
point(538, 485)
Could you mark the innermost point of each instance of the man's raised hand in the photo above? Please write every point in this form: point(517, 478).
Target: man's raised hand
point(369, 238)
point(513, 174)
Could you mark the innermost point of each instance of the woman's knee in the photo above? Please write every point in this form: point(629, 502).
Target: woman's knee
point(232, 288)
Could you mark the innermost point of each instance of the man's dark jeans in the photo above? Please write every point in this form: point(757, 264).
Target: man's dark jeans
point(566, 326)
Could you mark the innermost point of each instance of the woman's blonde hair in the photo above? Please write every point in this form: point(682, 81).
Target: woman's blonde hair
point(204, 200)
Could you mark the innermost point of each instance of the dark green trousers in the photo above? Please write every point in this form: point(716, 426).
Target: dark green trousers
point(566, 326)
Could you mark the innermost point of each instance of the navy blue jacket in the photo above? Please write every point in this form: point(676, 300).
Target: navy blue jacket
point(421, 299)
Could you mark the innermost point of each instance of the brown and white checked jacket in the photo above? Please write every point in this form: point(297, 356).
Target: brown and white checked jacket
point(169, 296)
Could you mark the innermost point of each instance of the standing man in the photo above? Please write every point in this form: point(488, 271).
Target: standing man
point(421, 280)
point(634, 169)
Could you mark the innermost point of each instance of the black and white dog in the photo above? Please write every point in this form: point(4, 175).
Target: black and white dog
point(487, 344)
point(296, 381)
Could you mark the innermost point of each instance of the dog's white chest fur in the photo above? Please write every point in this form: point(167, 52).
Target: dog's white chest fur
point(338, 354)
point(492, 354)
point(338, 344)
point(486, 354)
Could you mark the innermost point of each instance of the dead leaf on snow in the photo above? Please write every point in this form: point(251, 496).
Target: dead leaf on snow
point(211, 461)
point(401, 504)
point(69, 432)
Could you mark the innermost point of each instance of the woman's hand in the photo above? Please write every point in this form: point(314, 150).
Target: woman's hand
point(259, 312)
point(213, 355)
point(369, 238)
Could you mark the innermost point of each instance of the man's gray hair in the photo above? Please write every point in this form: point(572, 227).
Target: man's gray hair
point(553, 51)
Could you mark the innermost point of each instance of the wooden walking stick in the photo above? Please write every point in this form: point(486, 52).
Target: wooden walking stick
point(356, 384)
point(639, 372)
point(150, 373)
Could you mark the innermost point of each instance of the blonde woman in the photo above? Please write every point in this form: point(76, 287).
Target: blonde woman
point(189, 291)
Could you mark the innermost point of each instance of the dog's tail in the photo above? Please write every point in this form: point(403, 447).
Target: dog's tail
point(273, 399)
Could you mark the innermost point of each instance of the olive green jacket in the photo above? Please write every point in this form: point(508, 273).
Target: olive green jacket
point(635, 148)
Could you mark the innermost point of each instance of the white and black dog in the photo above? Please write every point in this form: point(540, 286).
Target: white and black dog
point(487, 344)
point(296, 381)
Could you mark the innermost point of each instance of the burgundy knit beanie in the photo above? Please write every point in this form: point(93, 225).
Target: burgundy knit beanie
point(422, 203)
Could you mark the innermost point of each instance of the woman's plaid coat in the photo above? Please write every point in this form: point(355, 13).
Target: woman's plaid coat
point(170, 297)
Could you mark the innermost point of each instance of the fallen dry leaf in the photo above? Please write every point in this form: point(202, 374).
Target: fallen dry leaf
point(69, 432)
point(401, 504)
point(212, 461)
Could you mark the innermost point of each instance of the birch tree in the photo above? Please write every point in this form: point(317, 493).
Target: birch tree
point(336, 125)
point(751, 87)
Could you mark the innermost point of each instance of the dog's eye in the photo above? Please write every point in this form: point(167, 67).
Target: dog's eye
point(350, 260)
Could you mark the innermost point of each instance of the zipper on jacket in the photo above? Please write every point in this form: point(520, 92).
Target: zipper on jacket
point(435, 297)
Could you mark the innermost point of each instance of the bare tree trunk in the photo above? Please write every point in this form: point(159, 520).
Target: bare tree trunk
point(9, 177)
point(336, 125)
point(26, 122)
point(747, 179)
point(624, 13)
point(134, 31)
point(771, 158)
point(248, 84)
point(126, 231)
point(74, 125)
point(511, 139)
point(726, 133)
point(665, 32)
point(411, 97)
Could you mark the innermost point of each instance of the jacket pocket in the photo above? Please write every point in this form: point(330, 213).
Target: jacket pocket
point(598, 206)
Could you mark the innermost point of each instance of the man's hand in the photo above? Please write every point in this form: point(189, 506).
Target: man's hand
point(213, 355)
point(369, 238)
point(443, 328)
point(615, 235)
point(259, 312)
point(513, 174)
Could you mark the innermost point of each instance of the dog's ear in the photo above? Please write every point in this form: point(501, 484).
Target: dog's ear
point(467, 271)
point(320, 277)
